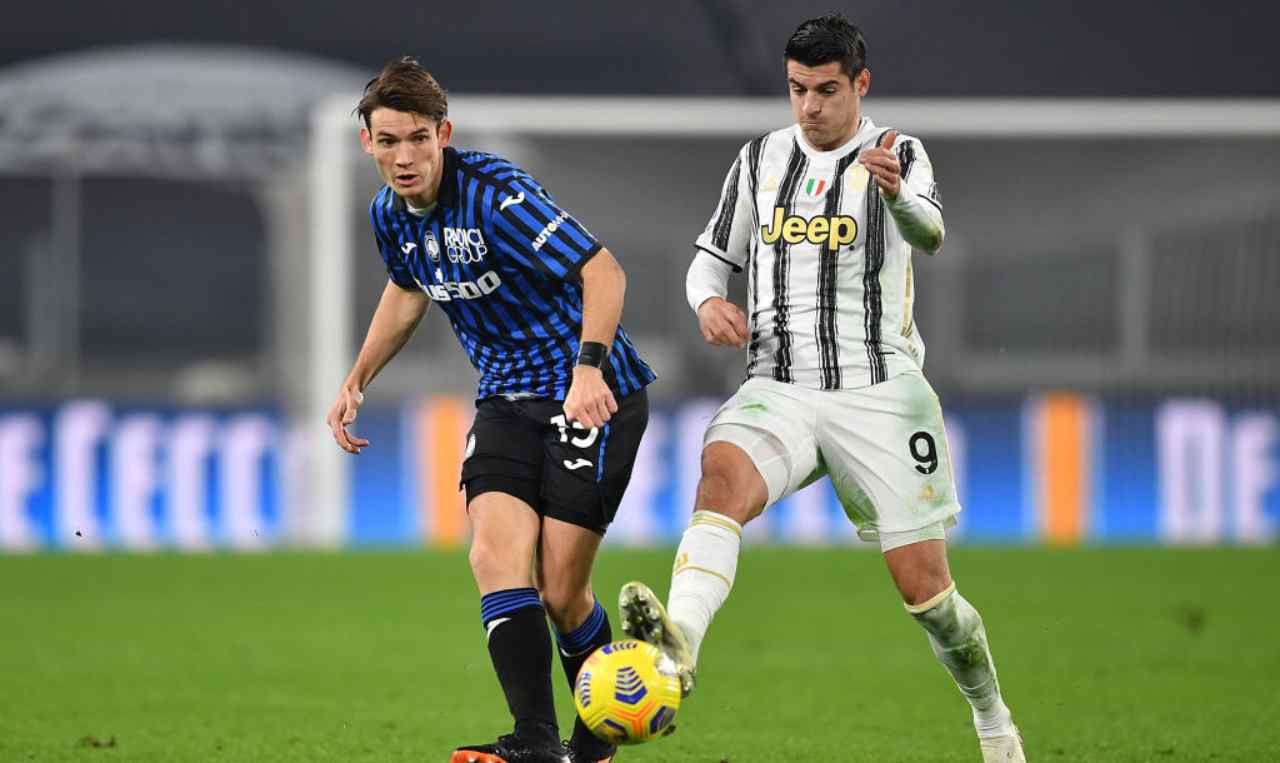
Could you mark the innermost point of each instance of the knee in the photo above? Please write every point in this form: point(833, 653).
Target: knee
point(716, 493)
point(920, 593)
point(715, 487)
point(919, 568)
point(726, 486)
point(566, 604)
point(489, 564)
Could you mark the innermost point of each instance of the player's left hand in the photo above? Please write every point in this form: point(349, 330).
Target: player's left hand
point(882, 163)
point(590, 401)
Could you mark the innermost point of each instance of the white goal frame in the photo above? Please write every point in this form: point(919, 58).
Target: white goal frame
point(329, 348)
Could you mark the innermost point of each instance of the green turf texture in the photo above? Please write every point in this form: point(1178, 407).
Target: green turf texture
point(1104, 654)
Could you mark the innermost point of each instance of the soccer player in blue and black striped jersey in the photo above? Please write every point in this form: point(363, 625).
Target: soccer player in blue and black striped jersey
point(535, 301)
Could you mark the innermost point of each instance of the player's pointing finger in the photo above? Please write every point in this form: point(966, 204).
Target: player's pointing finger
point(889, 138)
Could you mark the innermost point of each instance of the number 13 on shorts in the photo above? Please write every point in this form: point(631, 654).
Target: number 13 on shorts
point(583, 442)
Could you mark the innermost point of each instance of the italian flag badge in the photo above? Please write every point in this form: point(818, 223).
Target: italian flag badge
point(815, 187)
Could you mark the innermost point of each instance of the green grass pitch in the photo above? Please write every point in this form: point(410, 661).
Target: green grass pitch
point(1104, 654)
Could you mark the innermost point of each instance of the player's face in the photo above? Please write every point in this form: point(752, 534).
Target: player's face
point(826, 103)
point(409, 151)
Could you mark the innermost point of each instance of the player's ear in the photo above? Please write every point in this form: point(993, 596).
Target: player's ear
point(862, 82)
point(366, 140)
point(444, 133)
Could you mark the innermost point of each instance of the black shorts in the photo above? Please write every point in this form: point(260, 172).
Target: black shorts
point(524, 448)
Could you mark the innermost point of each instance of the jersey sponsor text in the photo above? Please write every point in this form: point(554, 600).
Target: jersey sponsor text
point(835, 231)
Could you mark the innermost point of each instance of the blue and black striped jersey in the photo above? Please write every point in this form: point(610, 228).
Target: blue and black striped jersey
point(502, 260)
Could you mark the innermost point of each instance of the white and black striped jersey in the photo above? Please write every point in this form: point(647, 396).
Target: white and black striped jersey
point(829, 271)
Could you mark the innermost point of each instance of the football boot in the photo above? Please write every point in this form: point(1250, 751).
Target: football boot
point(645, 619)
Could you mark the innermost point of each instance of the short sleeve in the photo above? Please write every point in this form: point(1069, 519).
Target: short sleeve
point(728, 234)
point(536, 233)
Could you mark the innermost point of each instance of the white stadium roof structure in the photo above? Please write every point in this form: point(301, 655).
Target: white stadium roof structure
point(184, 110)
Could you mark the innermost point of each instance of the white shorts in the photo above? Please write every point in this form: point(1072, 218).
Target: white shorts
point(884, 448)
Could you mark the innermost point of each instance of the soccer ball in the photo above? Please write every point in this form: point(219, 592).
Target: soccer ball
point(627, 692)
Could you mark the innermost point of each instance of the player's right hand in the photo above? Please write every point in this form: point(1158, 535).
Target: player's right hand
point(723, 323)
point(343, 414)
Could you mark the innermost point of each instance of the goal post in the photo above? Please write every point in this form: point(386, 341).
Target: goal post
point(1012, 132)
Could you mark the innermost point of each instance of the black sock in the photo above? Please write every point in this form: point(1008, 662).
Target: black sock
point(575, 647)
point(520, 648)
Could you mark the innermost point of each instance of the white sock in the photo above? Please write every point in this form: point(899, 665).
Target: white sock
point(959, 640)
point(706, 563)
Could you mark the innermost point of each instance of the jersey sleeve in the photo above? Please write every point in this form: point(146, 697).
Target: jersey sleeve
point(535, 232)
point(728, 234)
point(396, 269)
point(917, 171)
point(917, 210)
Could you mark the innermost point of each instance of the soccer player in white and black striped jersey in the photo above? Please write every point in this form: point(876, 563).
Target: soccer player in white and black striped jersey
point(823, 216)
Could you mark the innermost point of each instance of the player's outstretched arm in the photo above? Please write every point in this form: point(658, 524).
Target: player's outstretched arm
point(604, 286)
point(399, 311)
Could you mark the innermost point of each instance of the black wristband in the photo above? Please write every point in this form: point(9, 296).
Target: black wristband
point(592, 354)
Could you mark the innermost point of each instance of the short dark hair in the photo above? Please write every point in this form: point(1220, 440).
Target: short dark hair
point(404, 85)
point(828, 38)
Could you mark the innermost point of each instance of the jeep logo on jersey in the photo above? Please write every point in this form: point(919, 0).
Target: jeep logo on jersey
point(451, 290)
point(835, 231)
point(465, 245)
point(433, 247)
point(549, 229)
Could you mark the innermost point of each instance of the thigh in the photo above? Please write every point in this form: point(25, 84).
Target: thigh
point(774, 425)
point(586, 471)
point(503, 453)
point(885, 449)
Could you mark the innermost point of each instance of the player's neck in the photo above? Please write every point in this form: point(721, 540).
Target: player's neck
point(425, 200)
point(420, 203)
point(418, 211)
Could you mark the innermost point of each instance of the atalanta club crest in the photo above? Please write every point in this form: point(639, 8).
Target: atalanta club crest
point(433, 247)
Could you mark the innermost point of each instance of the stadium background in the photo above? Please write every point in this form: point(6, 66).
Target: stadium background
point(1101, 324)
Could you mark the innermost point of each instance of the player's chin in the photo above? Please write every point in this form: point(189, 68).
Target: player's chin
point(815, 132)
